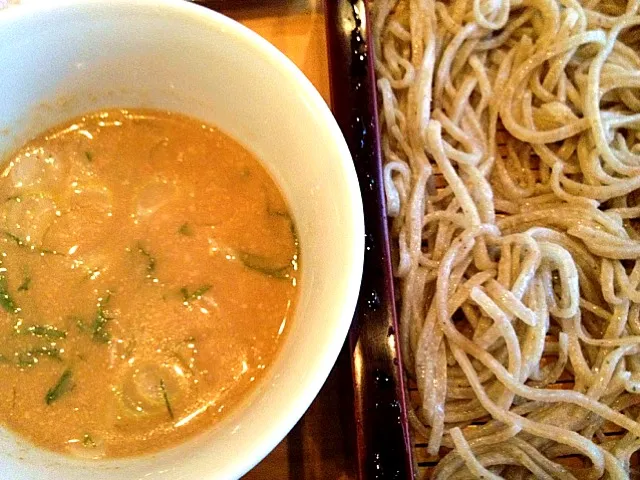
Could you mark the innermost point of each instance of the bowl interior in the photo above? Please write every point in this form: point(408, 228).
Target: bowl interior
point(63, 60)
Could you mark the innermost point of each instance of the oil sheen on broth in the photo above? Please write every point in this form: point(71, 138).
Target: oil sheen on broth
point(148, 270)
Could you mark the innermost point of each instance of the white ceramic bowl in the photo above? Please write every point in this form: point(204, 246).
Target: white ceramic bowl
point(69, 57)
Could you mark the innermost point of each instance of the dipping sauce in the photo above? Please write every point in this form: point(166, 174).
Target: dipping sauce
point(148, 272)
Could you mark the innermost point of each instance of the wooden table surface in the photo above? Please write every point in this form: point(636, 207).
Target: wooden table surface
point(322, 445)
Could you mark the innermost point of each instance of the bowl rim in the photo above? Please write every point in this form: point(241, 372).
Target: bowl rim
point(320, 367)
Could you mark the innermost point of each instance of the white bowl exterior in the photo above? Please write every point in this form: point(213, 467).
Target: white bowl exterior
point(72, 57)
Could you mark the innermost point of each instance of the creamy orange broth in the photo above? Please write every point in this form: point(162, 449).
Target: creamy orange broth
point(148, 270)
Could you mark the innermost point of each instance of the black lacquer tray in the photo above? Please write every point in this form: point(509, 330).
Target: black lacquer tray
point(383, 442)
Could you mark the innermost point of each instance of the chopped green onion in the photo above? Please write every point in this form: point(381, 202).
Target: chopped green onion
point(63, 386)
point(186, 230)
point(278, 213)
point(151, 261)
point(87, 441)
point(195, 295)
point(47, 331)
point(6, 301)
point(99, 326)
point(24, 244)
point(24, 286)
point(163, 389)
point(30, 357)
point(15, 238)
point(264, 265)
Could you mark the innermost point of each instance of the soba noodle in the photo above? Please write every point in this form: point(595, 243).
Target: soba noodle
point(511, 136)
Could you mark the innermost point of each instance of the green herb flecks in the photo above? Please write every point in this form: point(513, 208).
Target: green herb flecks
point(163, 389)
point(151, 261)
point(264, 265)
point(15, 238)
point(284, 215)
point(63, 386)
point(186, 230)
point(274, 212)
point(281, 212)
point(87, 441)
point(24, 286)
point(195, 295)
point(20, 242)
point(99, 331)
point(31, 357)
point(89, 156)
point(46, 331)
point(6, 300)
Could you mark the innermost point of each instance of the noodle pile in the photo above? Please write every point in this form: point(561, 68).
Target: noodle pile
point(511, 136)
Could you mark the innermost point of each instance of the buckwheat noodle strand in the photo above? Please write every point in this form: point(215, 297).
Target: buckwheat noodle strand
point(511, 137)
